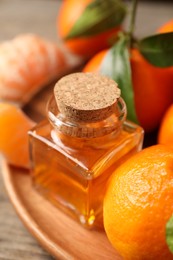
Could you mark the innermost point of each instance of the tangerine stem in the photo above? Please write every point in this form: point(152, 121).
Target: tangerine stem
point(132, 21)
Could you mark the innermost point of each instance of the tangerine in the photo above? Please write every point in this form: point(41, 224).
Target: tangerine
point(14, 125)
point(152, 87)
point(70, 11)
point(165, 133)
point(139, 202)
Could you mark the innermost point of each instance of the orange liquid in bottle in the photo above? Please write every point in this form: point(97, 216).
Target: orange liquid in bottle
point(73, 173)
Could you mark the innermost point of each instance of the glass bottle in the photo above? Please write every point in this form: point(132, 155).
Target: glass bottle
point(84, 139)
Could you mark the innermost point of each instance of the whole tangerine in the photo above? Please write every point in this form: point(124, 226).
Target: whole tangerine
point(139, 202)
point(152, 87)
point(70, 11)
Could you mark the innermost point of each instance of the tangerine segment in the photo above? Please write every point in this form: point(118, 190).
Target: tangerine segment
point(14, 125)
point(165, 134)
point(138, 204)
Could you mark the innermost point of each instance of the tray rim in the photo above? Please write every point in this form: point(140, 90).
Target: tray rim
point(25, 217)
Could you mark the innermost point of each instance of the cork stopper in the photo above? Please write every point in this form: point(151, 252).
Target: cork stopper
point(86, 97)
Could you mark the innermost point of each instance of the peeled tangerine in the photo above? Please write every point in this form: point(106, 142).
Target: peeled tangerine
point(27, 63)
point(14, 125)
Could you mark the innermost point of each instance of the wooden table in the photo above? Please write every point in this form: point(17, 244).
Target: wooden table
point(39, 16)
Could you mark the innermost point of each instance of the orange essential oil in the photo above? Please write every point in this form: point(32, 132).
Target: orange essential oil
point(85, 138)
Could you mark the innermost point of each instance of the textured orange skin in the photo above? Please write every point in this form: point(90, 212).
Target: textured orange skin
point(69, 12)
point(14, 125)
point(138, 204)
point(153, 92)
point(165, 134)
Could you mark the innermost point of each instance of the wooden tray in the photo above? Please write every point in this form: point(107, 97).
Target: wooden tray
point(61, 236)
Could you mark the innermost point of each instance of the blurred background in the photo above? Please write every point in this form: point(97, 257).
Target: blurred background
point(39, 16)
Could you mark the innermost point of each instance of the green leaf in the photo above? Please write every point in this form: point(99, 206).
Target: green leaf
point(169, 234)
point(158, 49)
point(98, 16)
point(116, 65)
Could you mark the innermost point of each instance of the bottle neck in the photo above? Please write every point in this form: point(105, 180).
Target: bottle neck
point(87, 130)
